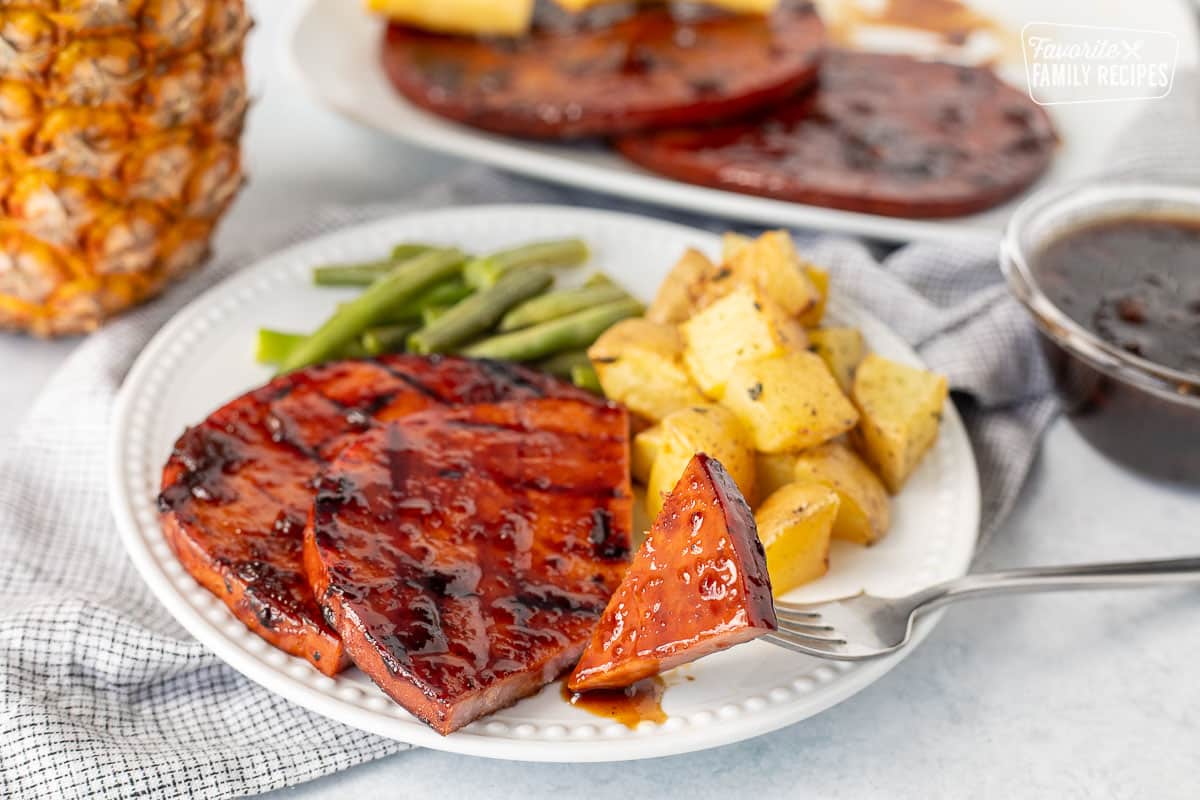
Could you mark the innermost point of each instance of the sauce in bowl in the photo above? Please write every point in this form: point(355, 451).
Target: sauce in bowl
point(1132, 281)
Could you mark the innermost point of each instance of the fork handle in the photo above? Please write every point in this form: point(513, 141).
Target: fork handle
point(1115, 575)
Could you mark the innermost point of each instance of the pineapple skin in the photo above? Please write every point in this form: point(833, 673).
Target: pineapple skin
point(119, 130)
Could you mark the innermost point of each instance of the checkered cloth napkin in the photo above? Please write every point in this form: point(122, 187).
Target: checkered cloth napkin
point(103, 694)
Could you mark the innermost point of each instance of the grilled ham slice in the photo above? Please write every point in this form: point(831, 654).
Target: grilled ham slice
point(699, 584)
point(237, 490)
point(464, 555)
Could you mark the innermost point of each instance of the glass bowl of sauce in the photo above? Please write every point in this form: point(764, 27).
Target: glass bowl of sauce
point(1110, 273)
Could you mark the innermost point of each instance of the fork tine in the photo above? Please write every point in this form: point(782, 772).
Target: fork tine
point(810, 636)
point(804, 626)
point(802, 644)
point(797, 611)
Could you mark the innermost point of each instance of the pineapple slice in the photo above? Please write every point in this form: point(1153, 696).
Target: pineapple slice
point(495, 17)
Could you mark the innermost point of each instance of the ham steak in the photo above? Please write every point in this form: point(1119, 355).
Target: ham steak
point(882, 134)
point(699, 584)
point(596, 76)
point(464, 555)
point(237, 489)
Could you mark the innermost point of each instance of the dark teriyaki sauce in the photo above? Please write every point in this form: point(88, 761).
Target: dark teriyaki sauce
point(1134, 282)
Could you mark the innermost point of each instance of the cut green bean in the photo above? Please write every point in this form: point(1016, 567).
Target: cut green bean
point(446, 293)
point(275, 346)
point(584, 376)
point(406, 250)
point(483, 273)
point(367, 272)
point(571, 332)
point(397, 287)
point(387, 338)
point(479, 312)
point(431, 313)
point(558, 304)
point(560, 366)
point(363, 274)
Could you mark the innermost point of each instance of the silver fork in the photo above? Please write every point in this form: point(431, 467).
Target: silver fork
point(863, 627)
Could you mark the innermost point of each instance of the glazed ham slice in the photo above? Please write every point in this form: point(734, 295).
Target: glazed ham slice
point(237, 489)
point(598, 76)
point(699, 584)
point(465, 555)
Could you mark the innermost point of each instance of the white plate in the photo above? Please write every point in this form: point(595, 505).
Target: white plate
point(333, 50)
point(204, 357)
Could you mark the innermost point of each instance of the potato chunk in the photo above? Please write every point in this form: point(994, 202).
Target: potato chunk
point(788, 402)
point(742, 325)
point(773, 471)
point(901, 410)
point(820, 279)
point(645, 449)
point(678, 295)
point(639, 364)
point(865, 513)
point(700, 429)
point(771, 264)
point(842, 350)
point(795, 525)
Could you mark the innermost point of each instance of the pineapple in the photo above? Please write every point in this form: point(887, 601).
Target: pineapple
point(119, 128)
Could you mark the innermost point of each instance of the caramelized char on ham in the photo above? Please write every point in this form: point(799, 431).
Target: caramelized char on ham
point(238, 487)
point(464, 555)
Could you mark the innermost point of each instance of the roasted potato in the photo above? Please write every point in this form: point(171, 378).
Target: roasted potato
point(865, 513)
point(901, 410)
point(820, 279)
point(770, 264)
point(795, 525)
point(700, 429)
point(743, 324)
point(787, 401)
point(678, 295)
point(773, 471)
point(645, 449)
point(731, 243)
point(639, 364)
point(842, 350)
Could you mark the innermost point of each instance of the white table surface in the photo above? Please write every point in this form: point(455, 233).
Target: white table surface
point(1059, 696)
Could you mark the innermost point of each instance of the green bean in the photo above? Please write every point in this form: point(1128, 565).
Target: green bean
point(431, 313)
point(406, 250)
point(558, 304)
point(571, 332)
point(275, 346)
point(397, 287)
point(363, 274)
point(482, 273)
point(599, 279)
point(446, 293)
point(387, 338)
point(560, 366)
point(584, 376)
point(479, 312)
